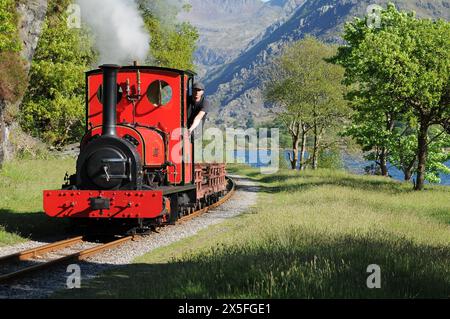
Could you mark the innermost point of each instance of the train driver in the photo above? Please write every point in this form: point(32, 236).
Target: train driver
point(199, 106)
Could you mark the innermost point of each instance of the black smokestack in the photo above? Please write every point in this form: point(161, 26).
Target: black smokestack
point(109, 98)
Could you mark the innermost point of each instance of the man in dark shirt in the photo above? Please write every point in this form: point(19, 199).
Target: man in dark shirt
point(200, 106)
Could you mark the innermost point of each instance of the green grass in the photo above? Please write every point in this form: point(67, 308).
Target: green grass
point(311, 235)
point(21, 186)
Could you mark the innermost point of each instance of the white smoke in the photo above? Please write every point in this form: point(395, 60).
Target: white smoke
point(119, 30)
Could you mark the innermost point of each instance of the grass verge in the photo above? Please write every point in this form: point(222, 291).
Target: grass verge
point(21, 186)
point(311, 235)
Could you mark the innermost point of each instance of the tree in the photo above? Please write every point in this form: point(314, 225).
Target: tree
point(310, 91)
point(373, 124)
point(280, 90)
point(404, 151)
point(173, 43)
point(404, 63)
point(438, 155)
point(403, 146)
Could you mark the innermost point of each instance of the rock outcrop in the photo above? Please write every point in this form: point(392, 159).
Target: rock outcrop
point(31, 16)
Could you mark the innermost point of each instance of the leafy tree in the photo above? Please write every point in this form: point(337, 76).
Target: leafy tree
point(403, 146)
point(373, 124)
point(438, 154)
point(294, 121)
point(172, 43)
point(310, 91)
point(404, 151)
point(402, 66)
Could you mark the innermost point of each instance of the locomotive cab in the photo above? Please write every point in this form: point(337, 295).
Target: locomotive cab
point(151, 113)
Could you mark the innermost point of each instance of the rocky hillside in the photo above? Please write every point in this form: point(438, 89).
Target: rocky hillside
point(235, 86)
point(31, 14)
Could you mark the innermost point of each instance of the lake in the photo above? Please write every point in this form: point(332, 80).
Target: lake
point(351, 164)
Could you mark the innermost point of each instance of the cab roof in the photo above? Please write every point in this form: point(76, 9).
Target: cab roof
point(150, 68)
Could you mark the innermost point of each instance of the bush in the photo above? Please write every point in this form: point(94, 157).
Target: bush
point(13, 77)
point(57, 121)
point(330, 159)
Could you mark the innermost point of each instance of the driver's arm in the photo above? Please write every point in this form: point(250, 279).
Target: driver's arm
point(197, 121)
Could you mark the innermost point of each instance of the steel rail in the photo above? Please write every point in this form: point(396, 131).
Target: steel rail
point(35, 252)
point(81, 255)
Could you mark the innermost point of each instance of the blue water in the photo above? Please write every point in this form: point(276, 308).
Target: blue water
point(357, 166)
point(351, 164)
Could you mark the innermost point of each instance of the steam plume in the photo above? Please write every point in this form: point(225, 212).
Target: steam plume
point(119, 30)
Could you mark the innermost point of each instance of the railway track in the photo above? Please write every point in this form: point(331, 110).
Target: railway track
point(37, 259)
point(212, 206)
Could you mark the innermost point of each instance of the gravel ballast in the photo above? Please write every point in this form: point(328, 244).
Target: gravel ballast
point(44, 284)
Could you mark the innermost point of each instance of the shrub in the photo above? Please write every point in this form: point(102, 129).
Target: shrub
point(13, 77)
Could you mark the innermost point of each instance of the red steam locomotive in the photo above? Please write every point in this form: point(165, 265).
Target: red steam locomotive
point(136, 161)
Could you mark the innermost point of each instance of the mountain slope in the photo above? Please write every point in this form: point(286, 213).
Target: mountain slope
point(228, 26)
point(235, 88)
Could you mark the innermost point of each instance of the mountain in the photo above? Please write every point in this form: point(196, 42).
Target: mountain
point(234, 81)
point(227, 27)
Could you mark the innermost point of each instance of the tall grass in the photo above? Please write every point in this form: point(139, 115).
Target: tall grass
point(311, 235)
